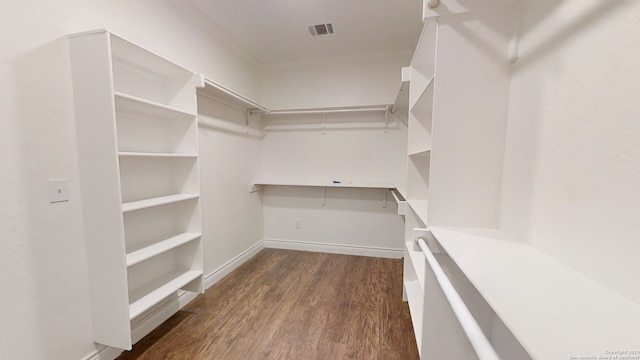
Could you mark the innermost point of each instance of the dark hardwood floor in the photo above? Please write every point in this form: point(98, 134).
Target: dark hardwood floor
point(285, 304)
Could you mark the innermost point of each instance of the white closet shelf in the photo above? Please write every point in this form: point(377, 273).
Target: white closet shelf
point(529, 290)
point(157, 247)
point(145, 297)
point(216, 91)
point(420, 208)
point(258, 184)
point(138, 106)
point(162, 200)
point(155, 155)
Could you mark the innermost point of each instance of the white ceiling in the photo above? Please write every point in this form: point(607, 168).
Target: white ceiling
point(275, 31)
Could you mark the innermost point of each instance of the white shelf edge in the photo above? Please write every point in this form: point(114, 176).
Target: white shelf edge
point(162, 200)
point(155, 155)
point(152, 104)
point(389, 186)
point(159, 247)
point(152, 293)
point(328, 110)
point(541, 289)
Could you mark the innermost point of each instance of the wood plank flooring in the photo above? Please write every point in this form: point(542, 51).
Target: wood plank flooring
point(285, 304)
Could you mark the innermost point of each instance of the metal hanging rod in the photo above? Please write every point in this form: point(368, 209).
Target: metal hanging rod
point(329, 110)
point(478, 340)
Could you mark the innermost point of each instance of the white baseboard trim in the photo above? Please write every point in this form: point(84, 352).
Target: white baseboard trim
point(334, 248)
point(229, 266)
point(142, 327)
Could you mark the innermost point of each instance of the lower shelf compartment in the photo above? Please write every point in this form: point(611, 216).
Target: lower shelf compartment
point(145, 297)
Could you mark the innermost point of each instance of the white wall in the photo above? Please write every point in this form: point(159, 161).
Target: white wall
point(365, 80)
point(44, 307)
point(354, 149)
point(572, 158)
point(229, 160)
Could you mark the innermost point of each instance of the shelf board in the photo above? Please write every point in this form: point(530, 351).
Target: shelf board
point(216, 91)
point(138, 106)
point(163, 200)
point(415, 298)
point(420, 208)
point(158, 247)
point(155, 155)
point(144, 298)
point(529, 290)
point(326, 184)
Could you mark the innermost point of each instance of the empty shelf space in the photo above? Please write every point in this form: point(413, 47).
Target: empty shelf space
point(159, 246)
point(135, 105)
point(326, 184)
point(144, 298)
point(541, 291)
point(163, 200)
point(420, 208)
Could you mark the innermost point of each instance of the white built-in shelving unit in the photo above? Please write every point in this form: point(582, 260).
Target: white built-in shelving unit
point(138, 153)
point(528, 304)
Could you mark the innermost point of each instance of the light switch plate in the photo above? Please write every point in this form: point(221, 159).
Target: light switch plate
point(58, 190)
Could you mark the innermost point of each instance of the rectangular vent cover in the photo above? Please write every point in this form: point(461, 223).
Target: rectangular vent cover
point(321, 29)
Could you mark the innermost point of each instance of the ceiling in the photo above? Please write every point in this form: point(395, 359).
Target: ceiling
point(275, 31)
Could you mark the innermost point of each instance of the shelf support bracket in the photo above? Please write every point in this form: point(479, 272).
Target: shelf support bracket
point(386, 119)
point(324, 124)
point(384, 198)
point(255, 188)
point(248, 117)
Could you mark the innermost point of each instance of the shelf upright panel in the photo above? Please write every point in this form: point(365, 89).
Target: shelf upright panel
point(100, 186)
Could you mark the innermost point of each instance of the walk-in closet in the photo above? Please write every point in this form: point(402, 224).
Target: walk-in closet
point(407, 179)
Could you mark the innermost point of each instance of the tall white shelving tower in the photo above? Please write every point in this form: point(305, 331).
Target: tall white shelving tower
point(138, 153)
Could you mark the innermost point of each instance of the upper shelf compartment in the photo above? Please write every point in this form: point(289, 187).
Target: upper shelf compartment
point(143, 74)
point(220, 93)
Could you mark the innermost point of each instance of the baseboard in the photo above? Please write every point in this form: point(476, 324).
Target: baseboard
point(144, 326)
point(334, 248)
point(232, 264)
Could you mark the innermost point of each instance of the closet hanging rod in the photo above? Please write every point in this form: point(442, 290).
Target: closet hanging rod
point(478, 340)
point(329, 110)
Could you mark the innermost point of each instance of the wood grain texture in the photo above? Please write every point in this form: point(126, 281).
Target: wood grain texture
point(285, 304)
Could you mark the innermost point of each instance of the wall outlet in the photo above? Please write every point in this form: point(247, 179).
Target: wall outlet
point(58, 190)
point(298, 224)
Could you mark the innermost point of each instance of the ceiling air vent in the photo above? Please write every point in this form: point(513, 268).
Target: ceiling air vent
point(321, 29)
